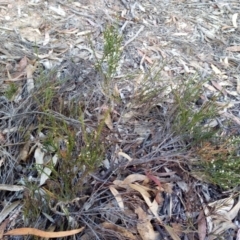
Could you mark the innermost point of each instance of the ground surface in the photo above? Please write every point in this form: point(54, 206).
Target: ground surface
point(144, 187)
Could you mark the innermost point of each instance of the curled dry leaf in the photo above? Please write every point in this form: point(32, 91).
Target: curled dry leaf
point(46, 172)
point(202, 226)
point(144, 226)
point(39, 155)
point(25, 151)
point(22, 64)
point(154, 179)
point(220, 218)
point(153, 206)
point(134, 177)
point(125, 156)
point(108, 121)
point(222, 205)
point(116, 92)
point(216, 70)
point(3, 226)
point(234, 19)
point(43, 234)
point(117, 196)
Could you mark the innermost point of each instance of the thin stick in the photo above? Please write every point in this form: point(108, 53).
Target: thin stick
point(135, 36)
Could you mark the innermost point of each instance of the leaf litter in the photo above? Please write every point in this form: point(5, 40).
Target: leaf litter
point(148, 182)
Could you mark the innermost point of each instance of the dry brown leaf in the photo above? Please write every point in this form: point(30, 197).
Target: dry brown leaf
point(30, 69)
point(46, 172)
point(219, 87)
point(215, 69)
point(123, 231)
point(117, 196)
point(46, 39)
point(116, 92)
point(125, 156)
point(108, 121)
point(220, 219)
point(2, 227)
point(209, 87)
point(142, 54)
point(202, 226)
point(2, 138)
point(51, 228)
point(2, 161)
point(22, 64)
point(24, 153)
point(172, 233)
point(141, 190)
point(234, 19)
point(154, 179)
point(39, 155)
point(159, 198)
point(222, 205)
point(119, 183)
point(153, 206)
point(40, 233)
point(134, 177)
point(234, 211)
point(233, 49)
point(167, 187)
point(144, 226)
point(11, 188)
point(20, 71)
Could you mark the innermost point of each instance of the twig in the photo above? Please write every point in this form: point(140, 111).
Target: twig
point(131, 39)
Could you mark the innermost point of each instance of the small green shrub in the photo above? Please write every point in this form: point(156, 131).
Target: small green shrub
point(221, 163)
point(107, 65)
point(189, 119)
point(11, 91)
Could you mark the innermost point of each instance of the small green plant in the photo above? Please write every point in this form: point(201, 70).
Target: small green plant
point(34, 202)
point(107, 65)
point(189, 118)
point(80, 149)
point(11, 91)
point(45, 90)
point(111, 52)
point(221, 163)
